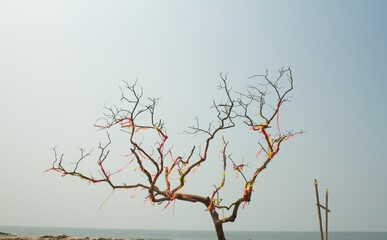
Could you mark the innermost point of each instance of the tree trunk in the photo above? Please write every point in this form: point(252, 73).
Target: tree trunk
point(219, 231)
point(218, 225)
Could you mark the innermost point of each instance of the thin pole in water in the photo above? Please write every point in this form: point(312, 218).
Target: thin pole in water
point(326, 214)
point(318, 211)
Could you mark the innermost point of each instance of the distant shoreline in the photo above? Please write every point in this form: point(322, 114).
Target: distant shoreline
point(10, 236)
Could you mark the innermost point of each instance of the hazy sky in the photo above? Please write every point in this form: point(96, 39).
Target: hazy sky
point(61, 61)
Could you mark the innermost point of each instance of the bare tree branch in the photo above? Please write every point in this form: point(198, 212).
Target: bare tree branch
point(165, 174)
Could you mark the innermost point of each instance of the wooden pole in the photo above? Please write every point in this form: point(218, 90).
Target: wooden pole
point(319, 211)
point(326, 214)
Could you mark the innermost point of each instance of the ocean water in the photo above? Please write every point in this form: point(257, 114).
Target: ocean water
point(188, 235)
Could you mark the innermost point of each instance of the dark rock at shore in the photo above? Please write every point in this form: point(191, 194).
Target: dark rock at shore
point(3, 234)
point(50, 237)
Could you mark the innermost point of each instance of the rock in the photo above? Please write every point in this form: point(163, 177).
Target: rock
point(62, 236)
point(47, 236)
point(3, 234)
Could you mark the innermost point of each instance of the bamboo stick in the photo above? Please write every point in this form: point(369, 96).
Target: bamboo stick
point(318, 211)
point(326, 214)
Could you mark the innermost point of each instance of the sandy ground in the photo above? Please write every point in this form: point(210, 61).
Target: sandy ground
point(8, 236)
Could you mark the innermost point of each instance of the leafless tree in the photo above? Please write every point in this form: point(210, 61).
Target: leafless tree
point(164, 174)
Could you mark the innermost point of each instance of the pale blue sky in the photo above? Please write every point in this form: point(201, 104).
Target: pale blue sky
point(61, 61)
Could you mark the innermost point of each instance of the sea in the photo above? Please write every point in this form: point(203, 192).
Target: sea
point(187, 235)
